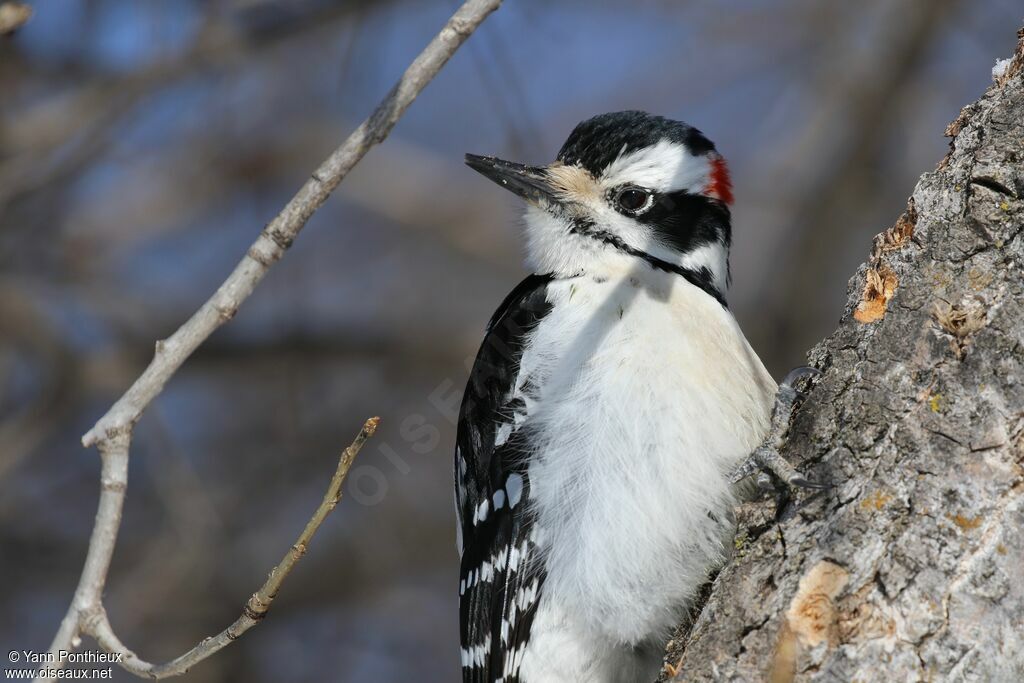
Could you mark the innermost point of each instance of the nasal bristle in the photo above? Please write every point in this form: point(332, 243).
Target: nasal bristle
point(719, 183)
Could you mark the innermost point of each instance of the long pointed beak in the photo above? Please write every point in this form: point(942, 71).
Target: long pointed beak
point(529, 182)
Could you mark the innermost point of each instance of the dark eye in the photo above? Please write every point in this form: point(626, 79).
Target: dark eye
point(633, 199)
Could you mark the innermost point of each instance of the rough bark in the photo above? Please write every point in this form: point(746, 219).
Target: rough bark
point(911, 567)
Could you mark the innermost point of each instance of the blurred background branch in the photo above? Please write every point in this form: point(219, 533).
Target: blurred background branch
point(853, 122)
point(13, 16)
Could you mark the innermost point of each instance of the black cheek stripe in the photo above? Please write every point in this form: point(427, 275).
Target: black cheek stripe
point(700, 277)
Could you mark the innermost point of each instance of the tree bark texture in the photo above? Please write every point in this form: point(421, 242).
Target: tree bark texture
point(911, 567)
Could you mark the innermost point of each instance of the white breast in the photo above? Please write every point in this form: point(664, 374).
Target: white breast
point(647, 394)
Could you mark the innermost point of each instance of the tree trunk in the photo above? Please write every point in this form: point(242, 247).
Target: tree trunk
point(911, 567)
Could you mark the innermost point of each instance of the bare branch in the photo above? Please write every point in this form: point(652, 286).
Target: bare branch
point(257, 606)
point(112, 433)
point(279, 234)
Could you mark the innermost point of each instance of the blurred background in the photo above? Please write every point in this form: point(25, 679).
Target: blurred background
point(144, 144)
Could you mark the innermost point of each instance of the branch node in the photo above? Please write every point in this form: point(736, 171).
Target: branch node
point(226, 313)
point(281, 238)
point(254, 609)
point(257, 255)
point(113, 486)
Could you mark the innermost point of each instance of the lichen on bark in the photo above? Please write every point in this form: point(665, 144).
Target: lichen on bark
point(911, 567)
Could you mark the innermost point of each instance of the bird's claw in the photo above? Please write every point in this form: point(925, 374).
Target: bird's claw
point(798, 373)
point(803, 482)
point(772, 469)
point(765, 459)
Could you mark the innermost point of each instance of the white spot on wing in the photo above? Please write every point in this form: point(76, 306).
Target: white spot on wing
point(504, 431)
point(475, 655)
point(481, 512)
point(514, 486)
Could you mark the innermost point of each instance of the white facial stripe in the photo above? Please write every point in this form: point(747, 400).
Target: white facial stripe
point(712, 256)
point(664, 167)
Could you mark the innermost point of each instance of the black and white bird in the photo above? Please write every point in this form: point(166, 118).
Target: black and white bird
point(611, 404)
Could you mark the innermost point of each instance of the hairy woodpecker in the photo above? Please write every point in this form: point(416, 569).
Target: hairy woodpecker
point(610, 411)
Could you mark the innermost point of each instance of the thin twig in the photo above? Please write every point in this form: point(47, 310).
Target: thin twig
point(258, 605)
point(112, 433)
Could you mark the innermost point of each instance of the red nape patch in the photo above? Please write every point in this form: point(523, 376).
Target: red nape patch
point(719, 184)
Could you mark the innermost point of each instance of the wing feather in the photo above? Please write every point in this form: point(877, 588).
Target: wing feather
point(501, 576)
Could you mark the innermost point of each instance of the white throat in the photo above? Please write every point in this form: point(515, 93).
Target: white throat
point(552, 247)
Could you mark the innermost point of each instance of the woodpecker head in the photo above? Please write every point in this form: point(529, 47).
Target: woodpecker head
point(626, 186)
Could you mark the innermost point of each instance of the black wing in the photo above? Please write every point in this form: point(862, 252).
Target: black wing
point(501, 576)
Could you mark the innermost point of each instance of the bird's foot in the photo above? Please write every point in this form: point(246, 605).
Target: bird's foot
point(766, 461)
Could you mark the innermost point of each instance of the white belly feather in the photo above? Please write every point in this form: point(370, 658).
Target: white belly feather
point(646, 396)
